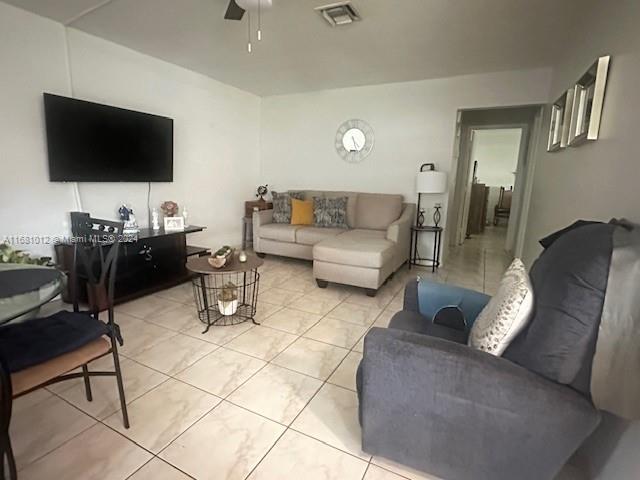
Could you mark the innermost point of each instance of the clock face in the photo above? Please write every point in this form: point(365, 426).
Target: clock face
point(354, 140)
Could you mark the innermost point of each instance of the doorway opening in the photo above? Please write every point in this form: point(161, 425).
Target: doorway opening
point(495, 153)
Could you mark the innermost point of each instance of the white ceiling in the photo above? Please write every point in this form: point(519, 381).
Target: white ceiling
point(397, 40)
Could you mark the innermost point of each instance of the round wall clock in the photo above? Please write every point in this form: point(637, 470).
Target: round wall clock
point(354, 140)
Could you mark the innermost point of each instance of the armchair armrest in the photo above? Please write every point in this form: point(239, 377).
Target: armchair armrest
point(433, 296)
point(457, 412)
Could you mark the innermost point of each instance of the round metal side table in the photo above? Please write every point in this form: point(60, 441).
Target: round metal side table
point(227, 295)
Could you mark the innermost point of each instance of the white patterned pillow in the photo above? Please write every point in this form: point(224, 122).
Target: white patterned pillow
point(506, 314)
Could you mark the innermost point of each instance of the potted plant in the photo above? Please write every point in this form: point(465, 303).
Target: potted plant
point(228, 299)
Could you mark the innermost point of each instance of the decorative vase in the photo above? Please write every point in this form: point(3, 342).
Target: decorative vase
point(421, 218)
point(228, 308)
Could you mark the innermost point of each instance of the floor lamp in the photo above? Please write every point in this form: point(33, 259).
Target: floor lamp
point(430, 181)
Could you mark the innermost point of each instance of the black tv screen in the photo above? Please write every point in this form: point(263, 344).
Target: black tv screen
point(89, 142)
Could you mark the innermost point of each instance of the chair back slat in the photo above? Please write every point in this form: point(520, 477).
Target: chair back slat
point(95, 258)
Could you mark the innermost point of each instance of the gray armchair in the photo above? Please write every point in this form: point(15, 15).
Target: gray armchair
point(430, 402)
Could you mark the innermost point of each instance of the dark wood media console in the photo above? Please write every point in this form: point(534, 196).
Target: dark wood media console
point(155, 261)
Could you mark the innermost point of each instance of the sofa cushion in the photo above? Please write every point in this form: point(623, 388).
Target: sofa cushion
point(355, 248)
point(376, 211)
point(330, 212)
point(352, 201)
point(282, 232)
point(569, 284)
point(414, 322)
point(301, 212)
point(313, 235)
point(282, 205)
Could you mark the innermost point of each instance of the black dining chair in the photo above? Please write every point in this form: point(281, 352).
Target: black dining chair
point(42, 351)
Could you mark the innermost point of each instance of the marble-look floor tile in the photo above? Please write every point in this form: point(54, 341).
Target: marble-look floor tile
point(359, 346)
point(139, 335)
point(278, 296)
point(332, 417)
point(162, 414)
point(302, 285)
point(265, 310)
point(381, 300)
point(262, 342)
point(225, 445)
point(292, 321)
point(175, 354)
point(221, 372)
point(276, 393)
point(376, 473)
point(273, 278)
point(42, 424)
point(336, 332)
point(182, 293)
point(345, 374)
point(311, 357)
point(384, 318)
point(157, 469)
point(96, 454)
point(177, 319)
point(297, 456)
point(137, 378)
point(317, 304)
point(354, 313)
point(220, 334)
point(402, 470)
point(146, 306)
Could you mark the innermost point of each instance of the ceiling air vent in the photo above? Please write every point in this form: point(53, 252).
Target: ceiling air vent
point(337, 14)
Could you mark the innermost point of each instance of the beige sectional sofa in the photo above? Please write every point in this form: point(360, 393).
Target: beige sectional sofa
point(375, 244)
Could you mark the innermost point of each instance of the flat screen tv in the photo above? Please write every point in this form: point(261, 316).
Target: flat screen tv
point(89, 142)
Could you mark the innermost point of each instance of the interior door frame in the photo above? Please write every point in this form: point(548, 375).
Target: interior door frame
point(465, 167)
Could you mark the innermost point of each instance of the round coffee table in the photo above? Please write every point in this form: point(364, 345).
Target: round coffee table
point(227, 295)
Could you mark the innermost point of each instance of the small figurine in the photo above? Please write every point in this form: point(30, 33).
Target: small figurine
point(127, 216)
point(185, 215)
point(155, 217)
point(262, 192)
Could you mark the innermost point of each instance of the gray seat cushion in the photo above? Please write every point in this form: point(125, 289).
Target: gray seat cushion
point(356, 248)
point(282, 232)
point(569, 283)
point(376, 211)
point(313, 235)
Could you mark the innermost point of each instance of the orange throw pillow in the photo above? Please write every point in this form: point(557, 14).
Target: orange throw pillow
point(301, 212)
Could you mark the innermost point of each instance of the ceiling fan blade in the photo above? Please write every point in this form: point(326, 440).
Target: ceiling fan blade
point(234, 11)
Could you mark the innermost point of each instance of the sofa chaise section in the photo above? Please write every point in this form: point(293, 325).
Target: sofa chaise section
point(375, 244)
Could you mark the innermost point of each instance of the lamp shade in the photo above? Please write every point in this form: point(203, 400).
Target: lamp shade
point(431, 182)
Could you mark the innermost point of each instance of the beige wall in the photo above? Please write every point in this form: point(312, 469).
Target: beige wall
point(597, 181)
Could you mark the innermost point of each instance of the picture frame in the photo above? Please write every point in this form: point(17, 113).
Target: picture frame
point(588, 100)
point(560, 121)
point(173, 224)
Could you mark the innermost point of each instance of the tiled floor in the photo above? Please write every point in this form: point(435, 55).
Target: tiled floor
point(275, 401)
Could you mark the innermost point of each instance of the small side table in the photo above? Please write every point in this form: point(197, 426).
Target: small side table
point(227, 295)
point(414, 255)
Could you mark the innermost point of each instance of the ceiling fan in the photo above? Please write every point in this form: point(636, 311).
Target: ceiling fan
point(236, 8)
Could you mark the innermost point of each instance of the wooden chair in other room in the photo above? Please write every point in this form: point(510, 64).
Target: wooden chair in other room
point(503, 207)
point(42, 351)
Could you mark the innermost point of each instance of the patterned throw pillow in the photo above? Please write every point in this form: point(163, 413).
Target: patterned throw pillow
point(330, 212)
point(506, 314)
point(282, 205)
